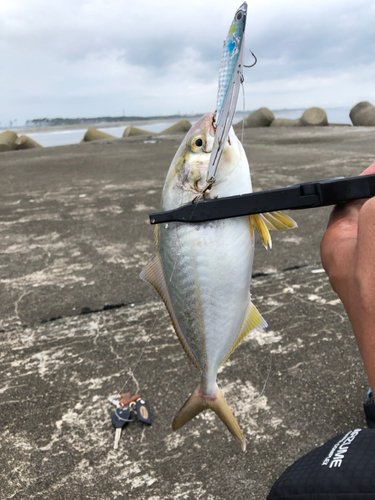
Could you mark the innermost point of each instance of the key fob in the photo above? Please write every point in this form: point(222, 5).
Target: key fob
point(120, 417)
point(143, 412)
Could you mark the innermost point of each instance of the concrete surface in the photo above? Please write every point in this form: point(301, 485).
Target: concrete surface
point(74, 237)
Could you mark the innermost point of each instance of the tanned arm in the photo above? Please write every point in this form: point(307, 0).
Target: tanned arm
point(348, 256)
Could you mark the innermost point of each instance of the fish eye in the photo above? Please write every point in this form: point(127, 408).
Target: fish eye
point(239, 16)
point(197, 143)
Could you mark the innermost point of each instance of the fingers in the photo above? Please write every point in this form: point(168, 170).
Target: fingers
point(342, 227)
point(366, 235)
point(337, 255)
point(369, 170)
point(347, 213)
point(339, 242)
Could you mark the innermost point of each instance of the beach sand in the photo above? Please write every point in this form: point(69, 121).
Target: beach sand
point(74, 238)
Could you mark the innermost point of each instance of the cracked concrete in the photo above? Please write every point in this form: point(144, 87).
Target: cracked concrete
point(74, 236)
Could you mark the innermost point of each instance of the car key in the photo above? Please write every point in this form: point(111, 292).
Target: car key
point(120, 418)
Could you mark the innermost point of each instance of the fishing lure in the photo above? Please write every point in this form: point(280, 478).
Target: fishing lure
point(230, 79)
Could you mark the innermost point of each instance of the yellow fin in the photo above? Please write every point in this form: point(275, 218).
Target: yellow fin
point(270, 221)
point(278, 221)
point(153, 273)
point(256, 220)
point(156, 235)
point(252, 322)
point(251, 226)
point(198, 402)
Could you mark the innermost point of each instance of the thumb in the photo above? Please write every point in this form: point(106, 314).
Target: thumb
point(339, 240)
point(344, 217)
point(369, 170)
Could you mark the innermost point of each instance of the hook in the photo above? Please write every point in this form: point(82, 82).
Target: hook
point(209, 185)
point(214, 119)
point(256, 60)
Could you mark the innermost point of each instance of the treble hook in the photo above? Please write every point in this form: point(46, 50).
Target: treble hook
point(256, 60)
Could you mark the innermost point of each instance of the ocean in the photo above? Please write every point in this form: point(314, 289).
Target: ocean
point(74, 136)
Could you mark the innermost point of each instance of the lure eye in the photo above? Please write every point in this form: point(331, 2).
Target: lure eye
point(239, 16)
point(197, 143)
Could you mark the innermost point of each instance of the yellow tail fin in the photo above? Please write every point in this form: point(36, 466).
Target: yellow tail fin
point(198, 402)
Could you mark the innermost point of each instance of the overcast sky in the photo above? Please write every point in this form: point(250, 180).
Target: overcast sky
point(86, 58)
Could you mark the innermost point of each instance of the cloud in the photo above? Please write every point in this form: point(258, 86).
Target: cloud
point(311, 38)
point(99, 57)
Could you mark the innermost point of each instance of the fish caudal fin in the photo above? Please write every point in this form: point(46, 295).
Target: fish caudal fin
point(198, 402)
point(270, 221)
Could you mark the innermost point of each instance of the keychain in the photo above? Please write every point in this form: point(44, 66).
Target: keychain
point(130, 405)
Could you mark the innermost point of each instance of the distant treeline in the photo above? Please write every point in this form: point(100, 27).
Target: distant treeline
point(42, 122)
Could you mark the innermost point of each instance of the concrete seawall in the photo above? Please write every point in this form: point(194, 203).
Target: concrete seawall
point(74, 318)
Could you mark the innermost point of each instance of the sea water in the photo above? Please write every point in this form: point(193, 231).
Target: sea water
point(74, 136)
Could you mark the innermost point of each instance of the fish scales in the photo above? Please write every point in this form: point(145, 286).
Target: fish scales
point(198, 257)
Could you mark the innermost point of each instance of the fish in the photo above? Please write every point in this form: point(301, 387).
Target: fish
point(202, 271)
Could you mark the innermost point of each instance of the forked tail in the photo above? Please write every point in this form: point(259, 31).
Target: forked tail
point(198, 402)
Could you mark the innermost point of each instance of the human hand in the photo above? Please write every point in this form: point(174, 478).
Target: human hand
point(348, 257)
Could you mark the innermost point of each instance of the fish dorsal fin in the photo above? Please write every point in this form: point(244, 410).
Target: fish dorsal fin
point(153, 273)
point(270, 221)
point(252, 322)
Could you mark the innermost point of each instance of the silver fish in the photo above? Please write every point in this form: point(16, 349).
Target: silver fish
point(202, 271)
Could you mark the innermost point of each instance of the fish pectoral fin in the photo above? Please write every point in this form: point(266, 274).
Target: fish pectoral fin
point(156, 235)
point(198, 402)
point(270, 221)
point(253, 321)
point(277, 221)
point(153, 273)
point(258, 222)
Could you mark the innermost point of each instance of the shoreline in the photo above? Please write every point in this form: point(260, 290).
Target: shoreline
point(60, 135)
point(143, 123)
point(85, 126)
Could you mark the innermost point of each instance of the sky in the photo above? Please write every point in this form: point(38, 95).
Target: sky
point(87, 58)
